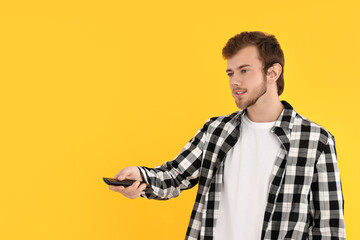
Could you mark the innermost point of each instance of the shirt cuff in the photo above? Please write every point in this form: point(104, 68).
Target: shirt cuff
point(143, 175)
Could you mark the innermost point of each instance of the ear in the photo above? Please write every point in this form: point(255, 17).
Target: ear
point(274, 72)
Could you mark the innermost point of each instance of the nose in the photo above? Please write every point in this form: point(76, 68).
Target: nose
point(235, 81)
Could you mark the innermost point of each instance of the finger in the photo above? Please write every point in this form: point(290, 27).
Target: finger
point(140, 189)
point(112, 187)
point(143, 186)
point(117, 175)
point(131, 190)
point(119, 189)
point(121, 175)
point(136, 185)
point(134, 196)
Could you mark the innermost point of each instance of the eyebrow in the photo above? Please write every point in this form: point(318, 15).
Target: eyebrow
point(239, 67)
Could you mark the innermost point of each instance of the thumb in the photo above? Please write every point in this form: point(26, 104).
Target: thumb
point(125, 173)
point(120, 175)
point(123, 176)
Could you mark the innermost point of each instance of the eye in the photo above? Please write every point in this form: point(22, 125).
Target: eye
point(243, 70)
point(229, 74)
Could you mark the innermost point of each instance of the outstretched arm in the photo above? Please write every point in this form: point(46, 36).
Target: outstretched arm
point(169, 179)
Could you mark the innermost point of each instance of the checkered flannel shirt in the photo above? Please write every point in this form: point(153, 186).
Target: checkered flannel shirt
point(305, 199)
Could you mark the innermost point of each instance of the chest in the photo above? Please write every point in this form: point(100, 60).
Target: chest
point(289, 181)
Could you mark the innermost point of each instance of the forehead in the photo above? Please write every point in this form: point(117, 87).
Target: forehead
point(248, 55)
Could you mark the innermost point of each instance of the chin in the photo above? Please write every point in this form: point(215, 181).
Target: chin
point(240, 107)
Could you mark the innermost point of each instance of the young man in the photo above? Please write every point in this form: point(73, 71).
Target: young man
point(265, 172)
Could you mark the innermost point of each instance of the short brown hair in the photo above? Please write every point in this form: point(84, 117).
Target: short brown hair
point(268, 47)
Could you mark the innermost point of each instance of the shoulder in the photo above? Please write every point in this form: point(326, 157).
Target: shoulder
point(220, 121)
point(304, 125)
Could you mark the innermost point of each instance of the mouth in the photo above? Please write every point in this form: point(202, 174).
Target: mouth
point(239, 93)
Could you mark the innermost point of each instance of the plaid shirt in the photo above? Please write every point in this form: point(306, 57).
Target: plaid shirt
point(305, 199)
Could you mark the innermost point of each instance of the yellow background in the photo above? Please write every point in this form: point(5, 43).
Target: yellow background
point(90, 87)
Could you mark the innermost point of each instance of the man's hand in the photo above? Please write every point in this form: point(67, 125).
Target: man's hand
point(133, 191)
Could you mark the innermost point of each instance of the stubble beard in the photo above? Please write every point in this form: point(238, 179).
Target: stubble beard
point(253, 100)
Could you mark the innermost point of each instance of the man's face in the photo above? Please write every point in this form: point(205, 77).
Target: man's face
point(245, 75)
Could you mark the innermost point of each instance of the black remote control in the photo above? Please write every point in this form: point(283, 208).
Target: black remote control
point(125, 183)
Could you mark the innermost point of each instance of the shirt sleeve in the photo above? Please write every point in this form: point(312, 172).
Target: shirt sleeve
point(326, 197)
point(142, 172)
point(181, 173)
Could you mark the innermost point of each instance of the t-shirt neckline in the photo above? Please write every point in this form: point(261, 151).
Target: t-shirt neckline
point(253, 124)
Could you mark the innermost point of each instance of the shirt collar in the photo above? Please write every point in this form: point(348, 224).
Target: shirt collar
point(284, 121)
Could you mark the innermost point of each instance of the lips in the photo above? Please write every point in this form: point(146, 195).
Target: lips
point(235, 92)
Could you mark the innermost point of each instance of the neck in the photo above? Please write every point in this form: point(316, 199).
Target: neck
point(268, 111)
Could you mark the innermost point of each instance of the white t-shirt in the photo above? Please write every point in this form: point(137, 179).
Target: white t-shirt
point(247, 170)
